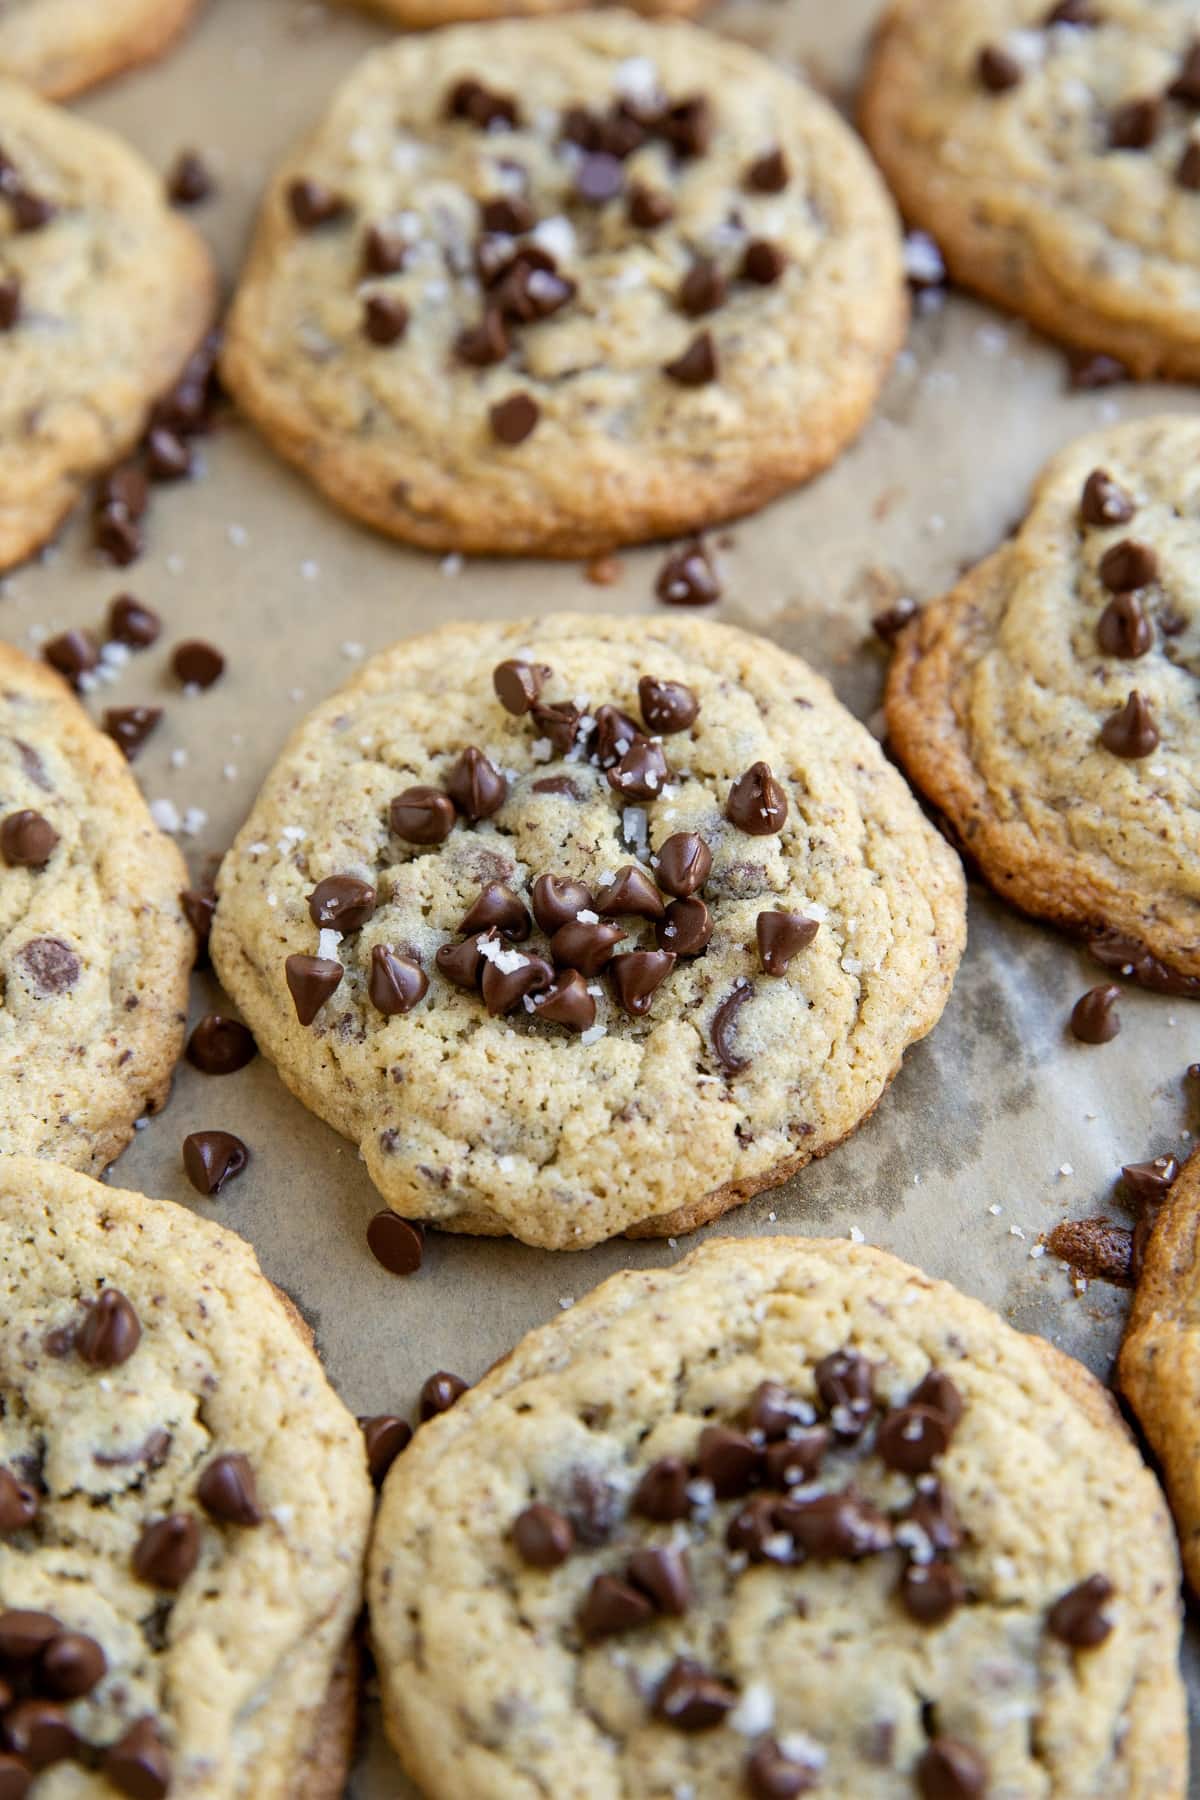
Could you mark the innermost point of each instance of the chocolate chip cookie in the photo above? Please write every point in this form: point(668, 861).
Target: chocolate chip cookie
point(1048, 704)
point(419, 15)
point(104, 293)
point(61, 46)
point(789, 1516)
point(1053, 150)
point(184, 1507)
point(579, 926)
point(94, 945)
point(550, 286)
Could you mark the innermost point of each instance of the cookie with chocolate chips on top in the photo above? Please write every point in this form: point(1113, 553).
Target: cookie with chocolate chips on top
point(62, 46)
point(579, 926)
point(104, 294)
point(95, 948)
point(788, 1517)
point(1053, 151)
point(1048, 705)
point(550, 286)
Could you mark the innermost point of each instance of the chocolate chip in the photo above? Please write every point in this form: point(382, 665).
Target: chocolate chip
point(613, 1606)
point(559, 722)
point(556, 900)
point(1116, 951)
point(138, 1764)
point(311, 980)
point(1128, 565)
point(167, 1551)
point(888, 624)
point(1186, 85)
point(384, 252)
point(398, 1244)
point(507, 213)
point(40, 1733)
point(780, 936)
point(940, 1395)
point(730, 1460)
point(1105, 502)
point(702, 289)
point(835, 1527)
point(768, 174)
point(586, 947)
point(684, 864)
point(385, 319)
point(476, 786)
point(762, 262)
point(1093, 1017)
point(27, 840)
point(567, 1002)
point(211, 1158)
point(117, 535)
point(10, 302)
point(1150, 1182)
point(773, 1775)
point(110, 1332)
point(642, 772)
point(1135, 125)
point(911, 1439)
point(543, 1538)
point(24, 1634)
point(312, 204)
point(753, 1533)
point(846, 1386)
point(1187, 169)
point(692, 1699)
point(228, 1492)
point(460, 963)
point(1123, 628)
point(72, 653)
point(341, 903)
point(1099, 1250)
point(661, 1494)
point(395, 983)
point(422, 815)
point(1092, 369)
point(1073, 12)
point(797, 1457)
point(666, 706)
point(997, 70)
point(757, 804)
point(479, 106)
point(636, 977)
point(685, 928)
point(630, 894)
point(687, 126)
point(198, 664)
point(52, 966)
point(439, 1393)
point(385, 1436)
point(663, 1574)
point(772, 1409)
point(168, 457)
point(695, 366)
point(486, 343)
point(649, 207)
point(220, 1046)
point(1131, 731)
point(615, 732)
point(71, 1665)
point(18, 1503)
point(199, 905)
point(687, 578)
point(130, 726)
point(518, 685)
point(503, 989)
point(513, 418)
point(930, 1592)
point(189, 182)
point(30, 211)
point(497, 909)
point(948, 1770)
point(1078, 1618)
point(132, 623)
point(599, 177)
point(724, 1025)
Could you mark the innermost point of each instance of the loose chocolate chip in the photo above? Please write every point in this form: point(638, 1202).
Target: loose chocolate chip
point(667, 706)
point(312, 204)
point(585, 947)
point(117, 535)
point(138, 1764)
point(692, 1699)
point(649, 207)
point(556, 901)
point(1123, 628)
point(52, 966)
point(385, 1436)
point(40, 1732)
point(613, 1606)
point(422, 815)
point(930, 1592)
point(486, 343)
point(518, 685)
point(211, 1158)
point(189, 181)
point(398, 1244)
point(460, 963)
point(757, 804)
point(685, 928)
point(1105, 502)
point(168, 457)
point(888, 624)
point(543, 1538)
point(768, 174)
point(599, 177)
point(126, 488)
point(1092, 369)
point(797, 1457)
point(1078, 1617)
point(661, 1494)
point(470, 100)
point(199, 905)
point(730, 1460)
point(383, 251)
point(504, 989)
point(702, 289)
point(476, 786)
point(1099, 1250)
point(833, 1527)
point(684, 864)
point(948, 1770)
point(1135, 125)
point(687, 578)
point(780, 936)
point(72, 653)
point(198, 664)
point(695, 366)
point(940, 1395)
point(341, 903)
point(130, 726)
point(762, 262)
point(497, 909)
point(1131, 731)
point(773, 1775)
point(636, 977)
point(311, 980)
point(110, 1332)
point(220, 1046)
point(18, 1503)
point(997, 70)
point(439, 1393)
point(167, 1551)
point(614, 733)
point(912, 1438)
point(1128, 565)
point(71, 1665)
point(724, 1025)
point(514, 418)
point(630, 894)
point(27, 840)
point(133, 624)
point(642, 772)
point(663, 1574)
point(395, 983)
point(385, 319)
point(1150, 1182)
point(10, 302)
point(567, 1002)
point(1187, 169)
point(227, 1490)
point(846, 1386)
point(1093, 1017)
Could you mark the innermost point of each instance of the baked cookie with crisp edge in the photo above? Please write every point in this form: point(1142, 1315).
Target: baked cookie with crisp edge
point(61, 47)
point(291, 1533)
point(114, 294)
point(399, 432)
point(506, 1671)
point(90, 1037)
point(969, 166)
point(1007, 677)
point(651, 1124)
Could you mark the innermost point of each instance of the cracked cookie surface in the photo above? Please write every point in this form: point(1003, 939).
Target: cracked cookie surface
point(1053, 152)
point(477, 1113)
point(62, 46)
point(469, 285)
point(94, 947)
point(1009, 701)
point(103, 296)
point(998, 1594)
point(199, 1498)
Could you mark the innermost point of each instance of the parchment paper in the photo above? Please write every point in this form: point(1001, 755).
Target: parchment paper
point(998, 1126)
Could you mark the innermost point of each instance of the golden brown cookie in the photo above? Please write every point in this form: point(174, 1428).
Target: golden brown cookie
point(62, 46)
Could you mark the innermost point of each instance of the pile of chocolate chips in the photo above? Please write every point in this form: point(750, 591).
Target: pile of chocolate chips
point(769, 1463)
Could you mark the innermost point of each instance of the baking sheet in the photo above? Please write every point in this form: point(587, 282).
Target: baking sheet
point(998, 1127)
